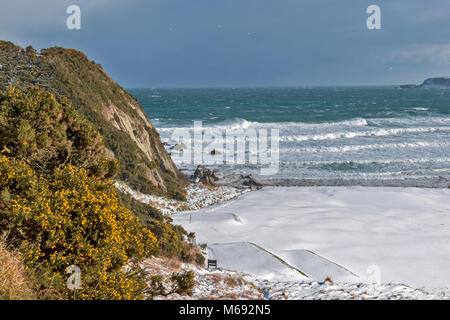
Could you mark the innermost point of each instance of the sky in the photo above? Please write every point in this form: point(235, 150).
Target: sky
point(233, 43)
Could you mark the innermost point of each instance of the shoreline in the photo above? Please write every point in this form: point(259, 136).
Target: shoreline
point(234, 180)
point(375, 183)
point(434, 183)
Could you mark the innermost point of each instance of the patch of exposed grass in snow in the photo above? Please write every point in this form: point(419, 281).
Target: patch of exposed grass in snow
point(209, 285)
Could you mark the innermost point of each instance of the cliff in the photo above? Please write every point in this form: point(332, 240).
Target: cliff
point(430, 83)
point(127, 133)
point(439, 83)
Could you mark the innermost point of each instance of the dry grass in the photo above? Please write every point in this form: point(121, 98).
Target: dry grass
point(14, 281)
point(210, 285)
point(173, 264)
point(230, 281)
point(328, 279)
point(209, 187)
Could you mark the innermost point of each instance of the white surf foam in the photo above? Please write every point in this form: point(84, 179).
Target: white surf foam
point(356, 134)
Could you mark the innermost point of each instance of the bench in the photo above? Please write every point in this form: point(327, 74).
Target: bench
point(212, 263)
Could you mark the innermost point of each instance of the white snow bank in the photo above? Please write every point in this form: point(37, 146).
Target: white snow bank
point(403, 231)
point(198, 197)
point(317, 267)
point(248, 258)
point(344, 291)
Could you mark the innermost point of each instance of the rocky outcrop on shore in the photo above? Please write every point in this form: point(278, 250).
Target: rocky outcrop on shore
point(205, 176)
point(250, 182)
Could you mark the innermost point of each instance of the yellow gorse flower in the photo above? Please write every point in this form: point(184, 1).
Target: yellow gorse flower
point(72, 218)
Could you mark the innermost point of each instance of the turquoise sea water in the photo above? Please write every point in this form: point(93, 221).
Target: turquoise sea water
point(328, 135)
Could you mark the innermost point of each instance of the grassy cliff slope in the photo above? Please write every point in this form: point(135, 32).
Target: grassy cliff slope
point(127, 133)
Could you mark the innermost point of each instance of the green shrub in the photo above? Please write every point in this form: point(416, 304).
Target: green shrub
point(45, 132)
point(179, 282)
point(170, 237)
point(184, 280)
point(155, 287)
point(200, 259)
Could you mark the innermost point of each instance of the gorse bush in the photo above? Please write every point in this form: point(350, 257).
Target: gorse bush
point(184, 280)
point(59, 209)
point(48, 133)
point(73, 219)
point(171, 238)
point(178, 282)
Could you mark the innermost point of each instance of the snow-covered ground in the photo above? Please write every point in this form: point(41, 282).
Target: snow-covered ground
point(252, 259)
point(225, 284)
point(198, 197)
point(325, 290)
point(404, 233)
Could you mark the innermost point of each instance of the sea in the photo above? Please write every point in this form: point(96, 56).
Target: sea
point(375, 136)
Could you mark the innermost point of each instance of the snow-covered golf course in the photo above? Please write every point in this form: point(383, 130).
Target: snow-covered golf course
point(297, 232)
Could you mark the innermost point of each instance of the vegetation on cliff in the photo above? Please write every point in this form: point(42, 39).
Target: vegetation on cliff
point(58, 207)
point(128, 135)
point(48, 134)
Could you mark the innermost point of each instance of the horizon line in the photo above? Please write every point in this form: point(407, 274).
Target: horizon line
point(260, 86)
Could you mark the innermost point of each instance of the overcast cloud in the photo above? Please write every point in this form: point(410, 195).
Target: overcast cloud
point(155, 43)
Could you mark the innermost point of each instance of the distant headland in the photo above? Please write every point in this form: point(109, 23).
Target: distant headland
point(430, 83)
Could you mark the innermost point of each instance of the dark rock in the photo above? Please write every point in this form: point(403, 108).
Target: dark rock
point(205, 176)
point(179, 147)
point(215, 152)
point(248, 181)
point(409, 86)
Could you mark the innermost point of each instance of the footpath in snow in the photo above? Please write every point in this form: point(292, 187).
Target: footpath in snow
point(251, 259)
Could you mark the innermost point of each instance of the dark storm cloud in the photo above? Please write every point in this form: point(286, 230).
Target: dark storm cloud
point(243, 42)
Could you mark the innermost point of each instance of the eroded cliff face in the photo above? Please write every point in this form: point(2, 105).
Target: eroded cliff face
point(128, 134)
point(441, 82)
